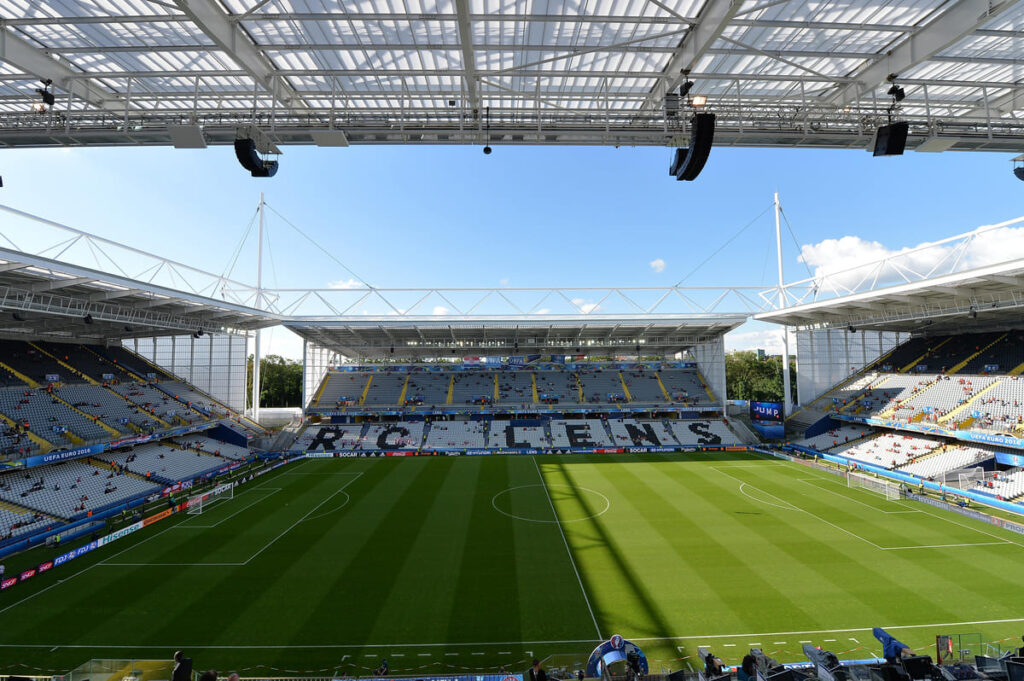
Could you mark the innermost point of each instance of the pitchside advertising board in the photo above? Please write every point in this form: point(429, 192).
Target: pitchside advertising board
point(769, 419)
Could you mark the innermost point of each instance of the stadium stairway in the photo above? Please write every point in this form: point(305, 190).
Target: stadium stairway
point(497, 391)
point(1016, 371)
point(625, 390)
point(536, 395)
point(966, 405)
point(58, 360)
point(957, 367)
point(103, 465)
point(366, 389)
point(111, 431)
point(935, 452)
point(664, 390)
point(917, 361)
point(451, 388)
point(401, 395)
point(20, 376)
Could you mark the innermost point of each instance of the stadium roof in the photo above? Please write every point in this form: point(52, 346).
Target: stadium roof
point(49, 290)
point(946, 286)
point(777, 72)
point(432, 336)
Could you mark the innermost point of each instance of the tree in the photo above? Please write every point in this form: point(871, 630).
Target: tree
point(750, 378)
point(280, 379)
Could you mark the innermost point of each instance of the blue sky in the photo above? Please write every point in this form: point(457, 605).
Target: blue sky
point(523, 216)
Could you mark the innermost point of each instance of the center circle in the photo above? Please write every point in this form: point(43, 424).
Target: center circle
point(535, 502)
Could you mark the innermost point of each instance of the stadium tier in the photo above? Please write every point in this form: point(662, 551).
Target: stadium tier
point(513, 434)
point(553, 387)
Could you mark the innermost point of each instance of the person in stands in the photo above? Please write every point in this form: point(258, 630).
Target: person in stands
point(536, 673)
point(182, 667)
point(748, 669)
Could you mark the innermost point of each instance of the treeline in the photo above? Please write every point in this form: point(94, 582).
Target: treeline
point(750, 378)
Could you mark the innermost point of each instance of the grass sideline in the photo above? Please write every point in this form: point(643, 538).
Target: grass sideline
point(450, 564)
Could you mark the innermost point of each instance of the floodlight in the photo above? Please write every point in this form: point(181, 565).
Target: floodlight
point(87, 318)
point(699, 101)
point(39, 107)
point(972, 312)
point(685, 88)
point(851, 329)
point(487, 149)
point(45, 95)
point(897, 93)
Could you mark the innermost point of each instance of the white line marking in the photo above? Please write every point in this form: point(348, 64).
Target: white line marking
point(505, 652)
point(975, 529)
point(450, 654)
point(728, 645)
point(398, 655)
point(186, 525)
point(778, 643)
point(423, 655)
point(105, 564)
point(815, 481)
point(945, 546)
point(357, 646)
point(567, 549)
point(854, 640)
point(830, 640)
point(340, 490)
point(476, 653)
point(607, 505)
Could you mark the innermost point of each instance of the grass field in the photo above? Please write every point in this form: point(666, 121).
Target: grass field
point(467, 563)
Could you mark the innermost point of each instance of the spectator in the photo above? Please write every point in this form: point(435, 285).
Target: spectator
point(182, 667)
point(748, 669)
point(536, 673)
point(382, 670)
point(712, 666)
point(208, 675)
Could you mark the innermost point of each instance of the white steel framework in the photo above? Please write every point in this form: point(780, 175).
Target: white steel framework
point(777, 72)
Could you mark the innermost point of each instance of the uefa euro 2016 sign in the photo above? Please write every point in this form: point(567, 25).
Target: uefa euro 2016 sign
point(615, 650)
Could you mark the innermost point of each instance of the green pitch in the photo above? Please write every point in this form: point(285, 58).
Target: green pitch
point(445, 564)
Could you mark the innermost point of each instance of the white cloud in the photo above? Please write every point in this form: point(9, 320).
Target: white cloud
point(342, 284)
point(851, 261)
point(544, 310)
point(658, 265)
point(503, 281)
point(769, 340)
point(584, 306)
point(440, 310)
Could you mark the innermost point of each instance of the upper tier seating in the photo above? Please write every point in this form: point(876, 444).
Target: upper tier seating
point(402, 435)
point(530, 436)
point(428, 387)
point(164, 462)
point(643, 386)
point(579, 433)
point(343, 388)
point(86, 360)
point(456, 435)
point(130, 362)
point(941, 397)
point(1007, 354)
point(515, 387)
point(71, 488)
point(329, 438)
point(906, 353)
point(30, 362)
point(14, 443)
point(216, 447)
point(886, 391)
point(152, 399)
point(109, 407)
point(835, 437)
point(633, 433)
point(952, 458)
point(889, 450)
point(473, 387)
point(46, 416)
point(684, 387)
point(557, 387)
point(14, 523)
point(200, 403)
point(602, 386)
point(385, 388)
point(710, 432)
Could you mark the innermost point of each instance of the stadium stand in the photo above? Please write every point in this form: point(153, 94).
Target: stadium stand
point(385, 388)
point(87, 360)
point(164, 462)
point(72, 488)
point(835, 437)
point(515, 387)
point(428, 387)
point(1000, 408)
point(1007, 485)
point(473, 387)
point(30, 361)
point(579, 433)
point(684, 386)
point(202, 443)
point(633, 433)
point(109, 407)
point(710, 432)
point(456, 435)
point(557, 387)
point(329, 438)
point(948, 459)
point(401, 435)
point(889, 450)
point(50, 418)
point(499, 436)
point(643, 386)
point(343, 388)
point(602, 386)
point(16, 522)
point(153, 400)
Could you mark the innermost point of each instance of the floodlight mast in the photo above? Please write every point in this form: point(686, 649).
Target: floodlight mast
point(786, 399)
point(259, 303)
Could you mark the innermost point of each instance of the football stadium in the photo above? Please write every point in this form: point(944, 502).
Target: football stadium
point(509, 483)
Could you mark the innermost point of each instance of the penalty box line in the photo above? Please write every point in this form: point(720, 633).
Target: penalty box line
point(854, 534)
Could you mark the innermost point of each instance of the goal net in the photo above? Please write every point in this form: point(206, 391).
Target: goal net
point(890, 490)
point(199, 502)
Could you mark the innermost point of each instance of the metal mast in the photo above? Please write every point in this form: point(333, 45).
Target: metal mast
point(787, 401)
point(259, 305)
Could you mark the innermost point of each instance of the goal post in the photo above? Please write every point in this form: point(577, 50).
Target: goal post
point(197, 504)
point(890, 490)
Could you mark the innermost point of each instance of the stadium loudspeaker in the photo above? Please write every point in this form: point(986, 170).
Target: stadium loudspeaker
point(891, 139)
point(1019, 172)
point(689, 162)
point(266, 169)
point(245, 151)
